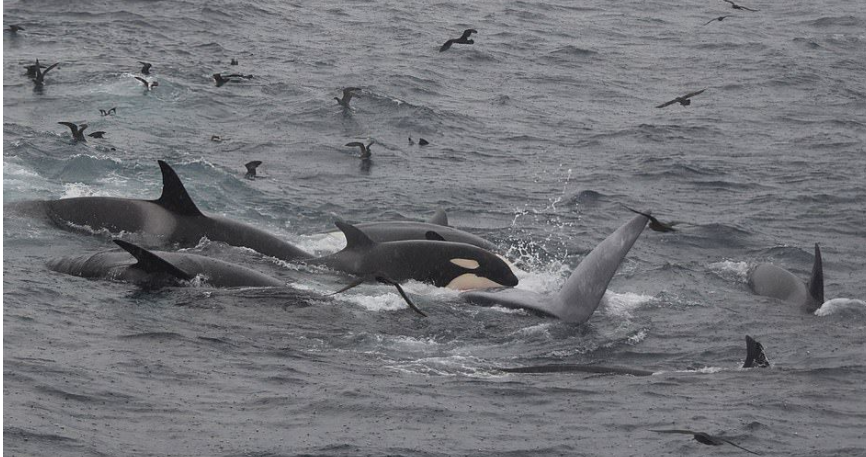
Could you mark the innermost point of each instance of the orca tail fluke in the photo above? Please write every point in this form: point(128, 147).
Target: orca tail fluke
point(582, 292)
point(755, 356)
point(152, 263)
point(816, 283)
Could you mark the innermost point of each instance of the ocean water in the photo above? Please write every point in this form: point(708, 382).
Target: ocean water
point(539, 133)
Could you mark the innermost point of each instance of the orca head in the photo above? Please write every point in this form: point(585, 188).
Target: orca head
point(479, 269)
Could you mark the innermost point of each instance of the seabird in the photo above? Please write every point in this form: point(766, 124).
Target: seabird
point(107, 112)
point(720, 19)
point(347, 96)
point(145, 69)
point(464, 39)
point(684, 100)
point(97, 134)
point(149, 85)
point(410, 141)
point(251, 169)
point(705, 438)
point(14, 28)
point(738, 7)
point(219, 79)
point(40, 74)
point(234, 62)
point(655, 224)
point(77, 130)
point(31, 69)
point(365, 150)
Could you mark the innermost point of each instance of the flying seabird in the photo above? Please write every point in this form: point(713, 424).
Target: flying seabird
point(40, 74)
point(347, 96)
point(14, 29)
point(97, 134)
point(720, 19)
point(365, 150)
point(738, 7)
point(464, 39)
point(705, 438)
point(684, 100)
point(145, 69)
point(655, 224)
point(77, 130)
point(149, 85)
point(107, 112)
point(251, 169)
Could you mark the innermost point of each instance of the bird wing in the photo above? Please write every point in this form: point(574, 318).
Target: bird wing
point(81, 129)
point(143, 81)
point(668, 103)
point(692, 94)
point(45, 71)
point(71, 126)
point(684, 432)
point(446, 45)
point(355, 143)
point(747, 9)
point(711, 20)
point(738, 446)
point(729, 1)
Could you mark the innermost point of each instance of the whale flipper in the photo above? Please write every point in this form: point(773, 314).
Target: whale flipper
point(152, 263)
point(355, 238)
point(174, 195)
point(755, 356)
point(439, 218)
point(816, 283)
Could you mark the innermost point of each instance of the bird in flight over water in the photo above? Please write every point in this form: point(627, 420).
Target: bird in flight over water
point(738, 7)
point(464, 39)
point(684, 100)
point(705, 438)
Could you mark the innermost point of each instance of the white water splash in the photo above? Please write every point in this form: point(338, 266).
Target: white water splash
point(621, 305)
point(838, 305)
point(740, 270)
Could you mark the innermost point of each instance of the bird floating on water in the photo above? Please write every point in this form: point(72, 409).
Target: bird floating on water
point(464, 39)
point(98, 134)
point(77, 130)
point(684, 100)
point(738, 7)
point(365, 150)
point(31, 69)
point(145, 69)
point(348, 93)
point(234, 62)
point(39, 79)
point(705, 438)
point(149, 85)
point(105, 112)
point(219, 79)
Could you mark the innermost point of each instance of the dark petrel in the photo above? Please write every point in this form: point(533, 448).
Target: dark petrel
point(705, 438)
point(14, 29)
point(365, 150)
point(77, 130)
point(234, 62)
point(98, 134)
point(40, 74)
point(720, 19)
point(251, 169)
point(149, 85)
point(31, 69)
point(684, 100)
point(464, 39)
point(219, 79)
point(109, 111)
point(738, 7)
point(145, 69)
point(654, 223)
point(347, 96)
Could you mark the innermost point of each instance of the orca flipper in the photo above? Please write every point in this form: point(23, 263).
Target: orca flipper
point(355, 238)
point(152, 263)
point(174, 196)
point(816, 283)
point(755, 356)
point(439, 218)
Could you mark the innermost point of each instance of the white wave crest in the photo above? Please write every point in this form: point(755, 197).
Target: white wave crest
point(838, 305)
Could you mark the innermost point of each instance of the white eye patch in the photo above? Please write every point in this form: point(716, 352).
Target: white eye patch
point(466, 263)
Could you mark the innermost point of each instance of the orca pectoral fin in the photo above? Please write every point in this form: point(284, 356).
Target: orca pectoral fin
point(355, 238)
point(402, 293)
point(816, 282)
point(439, 218)
point(152, 263)
point(357, 282)
point(174, 195)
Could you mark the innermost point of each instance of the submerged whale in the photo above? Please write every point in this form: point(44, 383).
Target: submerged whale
point(154, 268)
point(583, 290)
point(772, 281)
point(441, 263)
point(172, 218)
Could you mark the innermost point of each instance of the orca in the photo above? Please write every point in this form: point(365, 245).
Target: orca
point(771, 281)
point(154, 268)
point(415, 230)
point(173, 218)
point(441, 263)
point(754, 358)
point(583, 290)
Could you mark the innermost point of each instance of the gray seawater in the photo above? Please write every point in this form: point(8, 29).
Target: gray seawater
point(539, 132)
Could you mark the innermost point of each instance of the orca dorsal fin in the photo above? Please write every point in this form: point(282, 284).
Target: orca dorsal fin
point(355, 238)
point(816, 282)
point(251, 166)
point(755, 356)
point(174, 196)
point(433, 236)
point(152, 263)
point(439, 218)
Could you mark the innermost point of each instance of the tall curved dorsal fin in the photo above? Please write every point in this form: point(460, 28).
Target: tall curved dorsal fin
point(251, 166)
point(152, 263)
point(816, 282)
point(439, 218)
point(355, 238)
point(174, 196)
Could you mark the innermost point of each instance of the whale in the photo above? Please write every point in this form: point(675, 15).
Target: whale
point(755, 357)
point(581, 294)
point(458, 266)
point(172, 218)
point(155, 268)
point(770, 280)
point(417, 230)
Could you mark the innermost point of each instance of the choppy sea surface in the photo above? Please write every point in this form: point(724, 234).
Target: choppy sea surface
point(539, 133)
